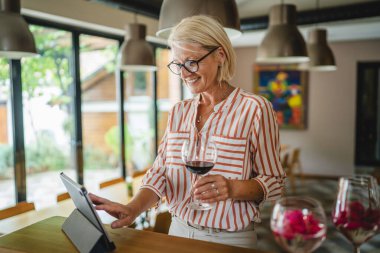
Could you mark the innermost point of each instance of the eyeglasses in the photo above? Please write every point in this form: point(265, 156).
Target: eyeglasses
point(191, 66)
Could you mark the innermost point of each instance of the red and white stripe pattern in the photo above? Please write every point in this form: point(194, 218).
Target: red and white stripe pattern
point(245, 132)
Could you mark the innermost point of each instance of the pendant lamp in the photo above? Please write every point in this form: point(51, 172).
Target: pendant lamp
point(173, 11)
point(16, 40)
point(321, 56)
point(283, 43)
point(136, 54)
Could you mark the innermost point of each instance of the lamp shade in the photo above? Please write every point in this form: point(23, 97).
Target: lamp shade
point(16, 40)
point(282, 43)
point(135, 53)
point(321, 56)
point(173, 11)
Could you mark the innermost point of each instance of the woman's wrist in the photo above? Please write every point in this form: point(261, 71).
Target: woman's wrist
point(245, 190)
point(231, 186)
point(142, 201)
point(135, 206)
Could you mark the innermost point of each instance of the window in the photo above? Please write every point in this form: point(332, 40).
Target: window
point(99, 109)
point(46, 82)
point(7, 184)
point(139, 120)
point(50, 113)
point(168, 89)
point(367, 149)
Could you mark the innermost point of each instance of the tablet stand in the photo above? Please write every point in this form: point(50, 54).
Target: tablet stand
point(84, 235)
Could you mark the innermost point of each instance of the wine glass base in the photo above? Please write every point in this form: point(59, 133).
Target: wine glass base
point(199, 206)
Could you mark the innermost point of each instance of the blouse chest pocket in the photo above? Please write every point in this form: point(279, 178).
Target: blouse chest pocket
point(231, 156)
point(175, 142)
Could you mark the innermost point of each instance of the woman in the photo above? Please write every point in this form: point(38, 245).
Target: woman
point(248, 170)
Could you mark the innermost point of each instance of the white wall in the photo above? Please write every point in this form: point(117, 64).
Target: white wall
point(327, 145)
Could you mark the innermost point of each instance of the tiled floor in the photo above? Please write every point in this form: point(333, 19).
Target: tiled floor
point(324, 191)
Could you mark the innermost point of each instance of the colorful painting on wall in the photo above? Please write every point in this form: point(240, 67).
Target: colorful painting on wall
point(286, 87)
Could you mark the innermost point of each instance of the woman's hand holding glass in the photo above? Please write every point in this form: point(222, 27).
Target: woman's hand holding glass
point(211, 188)
point(200, 159)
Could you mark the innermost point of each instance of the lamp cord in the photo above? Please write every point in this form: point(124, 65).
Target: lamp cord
point(318, 13)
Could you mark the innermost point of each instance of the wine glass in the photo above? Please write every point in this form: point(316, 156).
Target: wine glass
point(356, 213)
point(199, 158)
point(298, 224)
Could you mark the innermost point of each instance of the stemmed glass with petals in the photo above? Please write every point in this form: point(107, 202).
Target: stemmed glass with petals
point(199, 159)
point(356, 213)
point(298, 224)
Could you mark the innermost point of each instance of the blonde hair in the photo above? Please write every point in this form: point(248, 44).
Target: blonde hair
point(209, 33)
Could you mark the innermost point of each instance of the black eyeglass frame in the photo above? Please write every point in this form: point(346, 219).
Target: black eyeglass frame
point(189, 62)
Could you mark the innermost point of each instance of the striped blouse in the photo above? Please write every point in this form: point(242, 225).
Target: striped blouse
point(245, 131)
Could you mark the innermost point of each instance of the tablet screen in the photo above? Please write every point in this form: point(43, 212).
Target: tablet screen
point(83, 203)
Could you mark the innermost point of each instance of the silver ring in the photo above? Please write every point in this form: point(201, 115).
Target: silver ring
point(212, 186)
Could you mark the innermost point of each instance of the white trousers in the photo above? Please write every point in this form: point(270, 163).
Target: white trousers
point(246, 238)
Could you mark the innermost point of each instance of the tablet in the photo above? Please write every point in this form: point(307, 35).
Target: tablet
point(83, 203)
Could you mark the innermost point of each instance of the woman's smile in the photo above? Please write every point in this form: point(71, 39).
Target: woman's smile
point(192, 81)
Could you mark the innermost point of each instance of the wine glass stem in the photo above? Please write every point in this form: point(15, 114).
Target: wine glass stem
point(357, 249)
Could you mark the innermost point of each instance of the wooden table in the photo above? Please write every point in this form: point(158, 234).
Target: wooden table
point(47, 236)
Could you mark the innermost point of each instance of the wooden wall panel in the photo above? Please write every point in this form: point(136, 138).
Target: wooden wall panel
point(100, 88)
point(95, 126)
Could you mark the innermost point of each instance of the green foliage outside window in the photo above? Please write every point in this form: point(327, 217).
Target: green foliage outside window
point(112, 139)
point(45, 155)
point(96, 159)
point(51, 68)
point(140, 82)
point(4, 71)
point(6, 161)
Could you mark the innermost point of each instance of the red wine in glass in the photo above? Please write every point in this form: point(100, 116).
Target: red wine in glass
point(199, 167)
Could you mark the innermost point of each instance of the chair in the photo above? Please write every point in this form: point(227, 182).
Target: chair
point(137, 179)
point(111, 182)
point(163, 221)
point(291, 166)
point(19, 208)
point(284, 148)
point(63, 196)
point(284, 164)
point(285, 161)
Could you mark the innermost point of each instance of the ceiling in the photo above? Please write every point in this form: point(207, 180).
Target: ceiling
point(344, 19)
point(254, 8)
